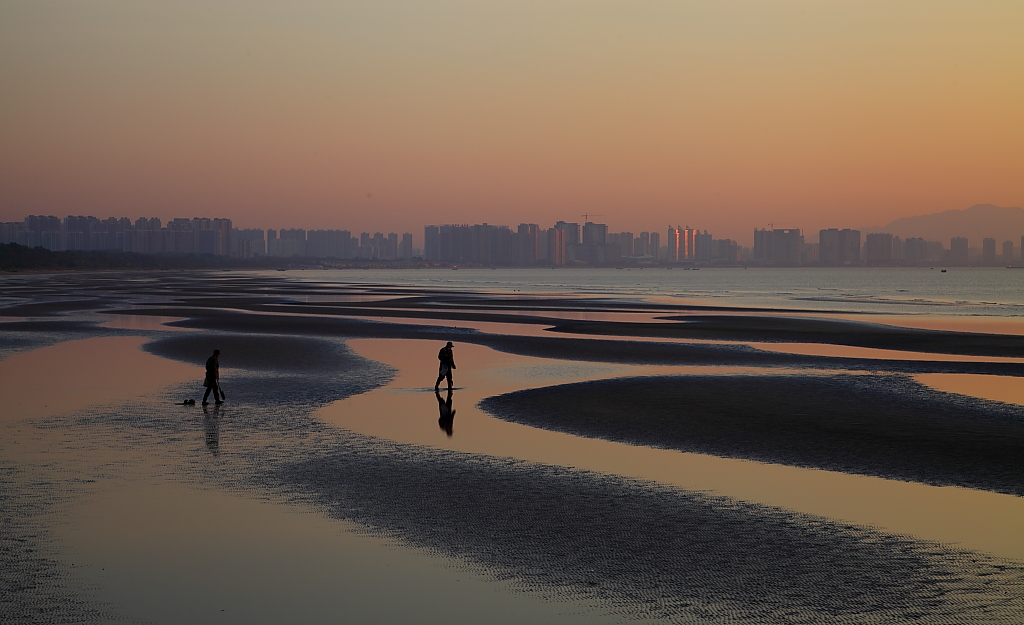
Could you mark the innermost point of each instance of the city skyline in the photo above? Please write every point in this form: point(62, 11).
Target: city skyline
point(795, 114)
point(564, 243)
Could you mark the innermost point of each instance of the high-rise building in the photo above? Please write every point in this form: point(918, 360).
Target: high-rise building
point(724, 250)
point(572, 232)
point(390, 246)
point(701, 247)
point(595, 248)
point(9, 231)
point(83, 233)
point(779, 246)
point(915, 251)
point(180, 237)
point(248, 242)
point(682, 244)
point(1008, 252)
point(674, 243)
point(431, 246)
point(645, 245)
point(527, 244)
point(878, 247)
point(223, 229)
point(42, 231)
point(556, 246)
point(625, 242)
point(840, 247)
point(595, 234)
point(787, 246)
point(763, 249)
point(542, 245)
point(330, 244)
point(405, 247)
point(988, 251)
point(289, 242)
point(958, 251)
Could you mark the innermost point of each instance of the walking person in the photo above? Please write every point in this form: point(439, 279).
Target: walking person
point(212, 381)
point(447, 364)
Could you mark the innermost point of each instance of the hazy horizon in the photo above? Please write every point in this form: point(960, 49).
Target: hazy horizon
point(383, 116)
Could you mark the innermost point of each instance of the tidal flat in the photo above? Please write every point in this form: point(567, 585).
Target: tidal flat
point(600, 459)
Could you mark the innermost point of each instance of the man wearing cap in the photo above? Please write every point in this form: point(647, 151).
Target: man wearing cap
point(212, 381)
point(444, 370)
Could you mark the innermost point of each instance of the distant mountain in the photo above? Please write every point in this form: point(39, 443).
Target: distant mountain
point(1003, 223)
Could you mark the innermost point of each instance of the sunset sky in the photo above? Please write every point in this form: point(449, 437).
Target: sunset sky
point(387, 114)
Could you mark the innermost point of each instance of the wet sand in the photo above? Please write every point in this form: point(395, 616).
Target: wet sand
point(973, 519)
point(885, 426)
point(797, 329)
point(120, 505)
point(78, 374)
point(315, 495)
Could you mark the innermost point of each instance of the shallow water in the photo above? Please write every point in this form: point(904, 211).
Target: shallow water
point(406, 410)
point(993, 387)
point(131, 532)
point(849, 351)
point(968, 291)
point(802, 349)
point(167, 553)
point(141, 322)
point(77, 374)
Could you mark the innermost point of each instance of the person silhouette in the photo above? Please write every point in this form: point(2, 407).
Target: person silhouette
point(446, 412)
point(446, 366)
point(212, 381)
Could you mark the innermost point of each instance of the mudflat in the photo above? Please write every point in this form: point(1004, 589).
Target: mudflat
point(889, 426)
point(116, 503)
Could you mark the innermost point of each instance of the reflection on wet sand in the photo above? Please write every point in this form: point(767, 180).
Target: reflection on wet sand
point(67, 376)
point(446, 413)
point(211, 425)
point(972, 519)
point(168, 554)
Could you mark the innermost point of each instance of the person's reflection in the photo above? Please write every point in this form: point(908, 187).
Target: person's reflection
point(446, 412)
point(211, 422)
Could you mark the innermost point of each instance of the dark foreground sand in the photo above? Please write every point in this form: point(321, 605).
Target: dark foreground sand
point(642, 550)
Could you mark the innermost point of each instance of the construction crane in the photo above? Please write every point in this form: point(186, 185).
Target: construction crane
point(586, 216)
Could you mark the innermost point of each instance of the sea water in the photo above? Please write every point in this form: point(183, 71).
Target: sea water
point(958, 292)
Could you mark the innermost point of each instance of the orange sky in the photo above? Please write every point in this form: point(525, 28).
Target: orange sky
point(386, 115)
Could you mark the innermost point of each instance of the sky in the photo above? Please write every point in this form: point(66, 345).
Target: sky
point(386, 115)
